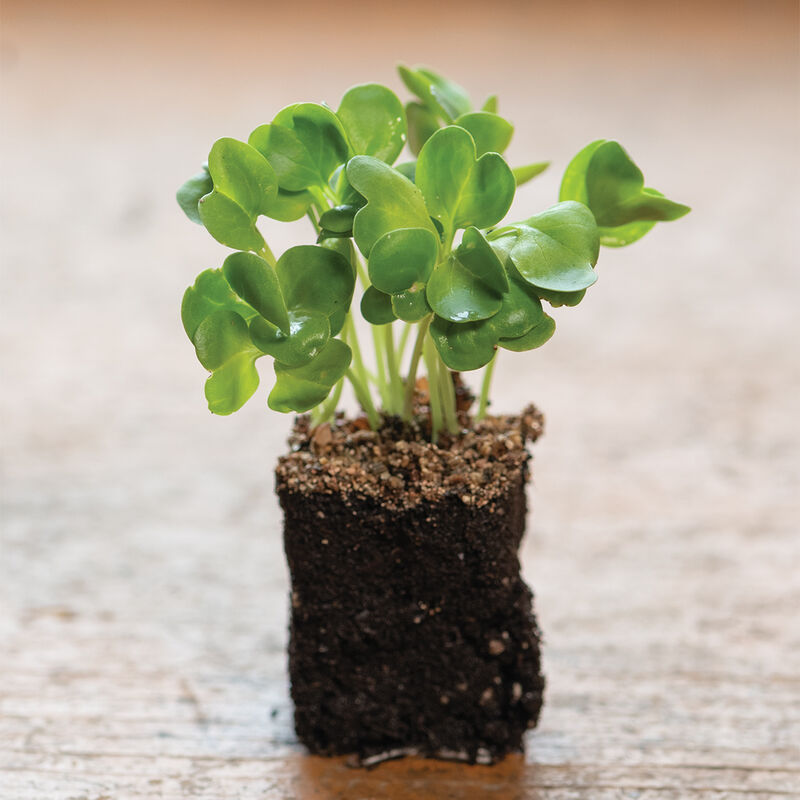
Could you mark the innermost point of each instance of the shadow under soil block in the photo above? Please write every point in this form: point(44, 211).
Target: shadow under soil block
point(411, 629)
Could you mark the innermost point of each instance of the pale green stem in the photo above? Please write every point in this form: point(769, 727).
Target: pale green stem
point(435, 400)
point(328, 408)
point(408, 405)
point(381, 383)
point(395, 382)
point(401, 348)
point(448, 398)
point(358, 362)
point(365, 401)
point(483, 404)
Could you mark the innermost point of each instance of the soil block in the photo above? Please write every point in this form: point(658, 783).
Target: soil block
point(411, 629)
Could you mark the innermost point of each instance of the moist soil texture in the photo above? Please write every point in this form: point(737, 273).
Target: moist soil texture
point(411, 629)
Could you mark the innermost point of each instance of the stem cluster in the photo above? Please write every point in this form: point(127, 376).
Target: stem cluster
point(395, 393)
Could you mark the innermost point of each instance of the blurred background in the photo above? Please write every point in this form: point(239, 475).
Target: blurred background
point(141, 572)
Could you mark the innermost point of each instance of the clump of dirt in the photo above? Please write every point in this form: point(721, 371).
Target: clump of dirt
point(400, 466)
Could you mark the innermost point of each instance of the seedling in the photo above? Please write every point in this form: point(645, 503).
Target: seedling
point(441, 278)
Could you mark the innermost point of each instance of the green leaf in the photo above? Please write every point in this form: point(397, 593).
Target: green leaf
point(301, 388)
point(412, 304)
point(374, 121)
point(409, 169)
point(338, 219)
point(555, 249)
point(392, 201)
point(557, 299)
point(469, 286)
point(376, 307)
point(520, 311)
point(189, 194)
point(573, 184)
point(623, 235)
point(224, 348)
point(490, 104)
point(401, 258)
point(422, 124)
point(308, 334)
point(463, 346)
point(293, 164)
point(229, 223)
point(289, 206)
point(535, 337)
point(459, 188)
point(254, 280)
point(529, 171)
point(443, 97)
point(604, 177)
point(210, 293)
point(242, 174)
point(245, 186)
point(315, 279)
point(305, 143)
point(492, 133)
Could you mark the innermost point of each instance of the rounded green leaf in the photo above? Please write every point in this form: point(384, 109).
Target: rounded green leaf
point(555, 249)
point(520, 311)
point(301, 388)
point(323, 134)
point(374, 121)
point(210, 293)
point(293, 164)
point(254, 280)
point(392, 201)
point(229, 223)
point(412, 304)
point(535, 337)
point(455, 294)
point(188, 196)
point(233, 384)
point(469, 286)
point(443, 97)
point(219, 336)
point(289, 206)
point(615, 187)
point(338, 219)
point(316, 279)
point(223, 346)
point(573, 184)
point(492, 133)
point(304, 144)
point(401, 258)
point(376, 307)
point(603, 177)
point(459, 188)
point(422, 124)
point(463, 346)
point(241, 173)
point(308, 334)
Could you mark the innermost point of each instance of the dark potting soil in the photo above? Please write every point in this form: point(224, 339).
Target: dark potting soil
point(411, 628)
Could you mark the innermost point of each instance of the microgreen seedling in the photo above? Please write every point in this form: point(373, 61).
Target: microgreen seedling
point(423, 243)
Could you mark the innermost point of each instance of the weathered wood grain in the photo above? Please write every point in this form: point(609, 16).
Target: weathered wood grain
point(142, 584)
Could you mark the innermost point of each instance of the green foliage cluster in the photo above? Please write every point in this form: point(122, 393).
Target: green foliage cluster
point(424, 241)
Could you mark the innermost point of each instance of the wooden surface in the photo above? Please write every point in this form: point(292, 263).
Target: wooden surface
point(142, 586)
